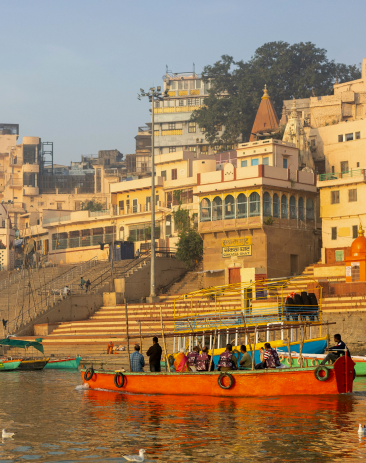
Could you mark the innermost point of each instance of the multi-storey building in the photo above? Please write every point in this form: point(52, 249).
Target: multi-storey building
point(173, 129)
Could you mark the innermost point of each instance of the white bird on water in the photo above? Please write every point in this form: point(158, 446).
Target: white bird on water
point(361, 429)
point(139, 457)
point(7, 434)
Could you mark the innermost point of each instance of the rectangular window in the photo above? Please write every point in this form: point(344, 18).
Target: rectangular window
point(334, 233)
point(78, 205)
point(182, 102)
point(358, 135)
point(172, 149)
point(358, 164)
point(285, 163)
point(332, 169)
point(192, 148)
point(352, 195)
point(191, 127)
point(171, 126)
point(203, 130)
point(128, 206)
point(339, 256)
point(163, 174)
point(255, 162)
point(204, 149)
point(265, 161)
point(198, 83)
point(244, 163)
point(344, 166)
point(334, 197)
point(174, 174)
point(349, 136)
point(354, 231)
point(59, 206)
point(340, 138)
point(148, 203)
point(121, 205)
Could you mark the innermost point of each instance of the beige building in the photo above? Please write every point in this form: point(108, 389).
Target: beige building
point(261, 215)
point(75, 236)
point(335, 125)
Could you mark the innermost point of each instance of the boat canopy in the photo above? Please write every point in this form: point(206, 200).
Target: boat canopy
point(23, 344)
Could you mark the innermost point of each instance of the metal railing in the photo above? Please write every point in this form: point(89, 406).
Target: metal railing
point(338, 175)
point(50, 293)
point(99, 213)
point(61, 218)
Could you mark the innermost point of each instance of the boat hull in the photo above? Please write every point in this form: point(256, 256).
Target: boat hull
point(63, 364)
point(257, 383)
point(9, 365)
point(32, 364)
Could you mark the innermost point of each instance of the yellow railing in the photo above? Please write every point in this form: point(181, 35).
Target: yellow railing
point(177, 109)
point(258, 303)
point(171, 132)
point(194, 92)
point(183, 92)
point(156, 133)
point(172, 93)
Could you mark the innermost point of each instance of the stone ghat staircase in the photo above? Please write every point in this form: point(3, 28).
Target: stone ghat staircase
point(191, 281)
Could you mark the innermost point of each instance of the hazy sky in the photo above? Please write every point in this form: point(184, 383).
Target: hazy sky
point(71, 69)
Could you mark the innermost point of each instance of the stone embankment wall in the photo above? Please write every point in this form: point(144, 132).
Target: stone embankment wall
point(351, 325)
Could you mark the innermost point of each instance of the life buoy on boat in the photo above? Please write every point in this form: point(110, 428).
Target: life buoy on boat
point(318, 370)
point(119, 375)
point(222, 375)
point(89, 374)
point(281, 357)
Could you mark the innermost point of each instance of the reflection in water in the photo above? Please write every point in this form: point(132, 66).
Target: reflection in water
point(54, 422)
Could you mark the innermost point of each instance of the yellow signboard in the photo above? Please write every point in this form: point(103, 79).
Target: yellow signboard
point(245, 241)
point(229, 251)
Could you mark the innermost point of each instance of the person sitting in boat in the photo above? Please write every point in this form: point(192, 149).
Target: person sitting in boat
point(181, 364)
point(137, 360)
point(227, 360)
point(269, 358)
point(192, 358)
point(154, 354)
point(203, 361)
point(246, 360)
point(336, 351)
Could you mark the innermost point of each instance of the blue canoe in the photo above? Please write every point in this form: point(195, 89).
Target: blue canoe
point(63, 364)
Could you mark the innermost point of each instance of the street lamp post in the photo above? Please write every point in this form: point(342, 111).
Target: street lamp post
point(154, 94)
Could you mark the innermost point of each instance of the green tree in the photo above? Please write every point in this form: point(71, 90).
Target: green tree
point(290, 71)
point(189, 247)
point(92, 205)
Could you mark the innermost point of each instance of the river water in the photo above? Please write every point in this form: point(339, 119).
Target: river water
point(54, 422)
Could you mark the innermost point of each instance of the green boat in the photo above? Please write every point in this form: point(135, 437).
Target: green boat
point(64, 364)
point(8, 365)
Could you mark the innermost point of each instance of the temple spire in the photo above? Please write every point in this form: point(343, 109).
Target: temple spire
point(266, 119)
point(265, 94)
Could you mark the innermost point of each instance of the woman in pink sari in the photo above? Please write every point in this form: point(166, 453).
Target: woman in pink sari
point(181, 362)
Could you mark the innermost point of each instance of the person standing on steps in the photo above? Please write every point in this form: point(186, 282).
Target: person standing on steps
point(82, 283)
point(154, 354)
point(87, 285)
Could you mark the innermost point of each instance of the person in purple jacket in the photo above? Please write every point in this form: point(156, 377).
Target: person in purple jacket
point(227, 360)
point(192, 357)
point(203, 360)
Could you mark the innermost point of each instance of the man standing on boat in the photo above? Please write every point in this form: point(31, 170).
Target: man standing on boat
point(336, 350)
point(154, 354)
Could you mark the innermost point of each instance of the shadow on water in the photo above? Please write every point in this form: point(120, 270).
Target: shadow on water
point(55, 423)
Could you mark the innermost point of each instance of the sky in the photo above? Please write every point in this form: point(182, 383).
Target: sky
point(70, 70)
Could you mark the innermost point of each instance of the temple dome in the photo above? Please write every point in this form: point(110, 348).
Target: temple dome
point(359, 244)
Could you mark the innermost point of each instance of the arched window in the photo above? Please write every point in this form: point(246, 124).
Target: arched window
point(293, 208)
point(241, 206)
point(229, 207)
point(276, 205)
point(301, 209)
point(284, 207)
point(217, 208)
point(205, 210)
point(254, 204)
point(266, 204)
point(168, 225)
point(309, 209)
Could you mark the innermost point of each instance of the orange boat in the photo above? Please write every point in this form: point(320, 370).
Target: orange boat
point(333, 379)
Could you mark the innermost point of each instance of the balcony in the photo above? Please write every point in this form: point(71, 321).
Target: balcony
point(165, 133)
point(16, 207)
point(31, 191)
point(31, 168)
point(14, 161)
point(15, 182)
point(142, 208)
point(177, 109)
point(338, 175)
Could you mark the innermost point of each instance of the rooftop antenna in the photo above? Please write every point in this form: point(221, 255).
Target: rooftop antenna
point(166, 69)
point(194, 69)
